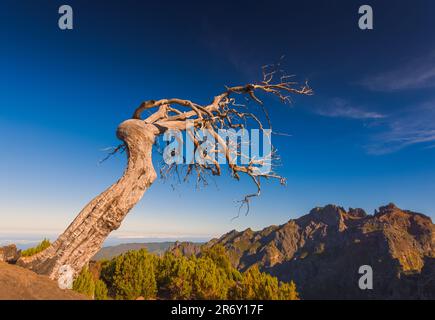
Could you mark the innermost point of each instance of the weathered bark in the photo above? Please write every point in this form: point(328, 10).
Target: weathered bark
point(85, 235)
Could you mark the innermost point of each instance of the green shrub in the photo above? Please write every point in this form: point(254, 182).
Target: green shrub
point(287, 291)
point(44, 244)
point(209, 281)
point(209, 276)
point(220, 257)
point(87, 285)
point(100, 292)
point(131, 275)
point(177, 279)
point(256, 285)
point(84, 283)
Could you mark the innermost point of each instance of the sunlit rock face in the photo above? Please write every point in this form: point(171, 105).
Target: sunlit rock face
point(323, 250)
point(9, 254)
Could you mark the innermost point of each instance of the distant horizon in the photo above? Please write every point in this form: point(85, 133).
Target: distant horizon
point(26, 240)
point(111, 241)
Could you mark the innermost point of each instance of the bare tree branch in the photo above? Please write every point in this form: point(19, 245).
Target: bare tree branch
point(224, 112)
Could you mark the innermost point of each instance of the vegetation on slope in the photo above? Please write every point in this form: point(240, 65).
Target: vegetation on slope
point(89, 286)
point(139, 274)
point(44, 244)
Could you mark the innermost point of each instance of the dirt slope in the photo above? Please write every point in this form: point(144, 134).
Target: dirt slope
point(17, 283)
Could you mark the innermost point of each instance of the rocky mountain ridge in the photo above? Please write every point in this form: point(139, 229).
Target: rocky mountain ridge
point(323, 250)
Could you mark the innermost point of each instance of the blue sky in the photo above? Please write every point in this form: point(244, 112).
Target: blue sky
point(366, 138)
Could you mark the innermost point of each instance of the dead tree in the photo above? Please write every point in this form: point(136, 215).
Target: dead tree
point(104, 214)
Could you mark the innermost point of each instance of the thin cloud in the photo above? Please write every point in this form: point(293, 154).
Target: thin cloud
point(388, 134)
point(340, 108)
point(411, 127)
point(415, 74)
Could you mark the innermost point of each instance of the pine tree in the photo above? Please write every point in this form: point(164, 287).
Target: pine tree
point(209, 281)
point(133, 275)
point(44, 244)
point(287, 291)
point(179, 283)
point(100, 292)
point(85, 283)
point(256, 285)
point(209, 276)
point(219, 256)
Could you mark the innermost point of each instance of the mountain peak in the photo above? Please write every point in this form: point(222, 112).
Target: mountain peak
point(327, 209)
point(357, 212)
point(388, 208)
point(397, 243)
point(331, 215)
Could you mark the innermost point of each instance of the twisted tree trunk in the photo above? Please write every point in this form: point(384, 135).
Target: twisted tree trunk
point(84, 237)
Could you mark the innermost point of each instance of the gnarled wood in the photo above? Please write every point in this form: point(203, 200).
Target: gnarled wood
point(84, 237)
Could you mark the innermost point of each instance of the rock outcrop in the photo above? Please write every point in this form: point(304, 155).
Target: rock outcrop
point(9, 254)
point(185, 248)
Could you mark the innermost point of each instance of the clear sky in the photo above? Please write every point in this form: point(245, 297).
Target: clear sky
point(366, 138)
